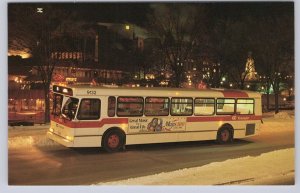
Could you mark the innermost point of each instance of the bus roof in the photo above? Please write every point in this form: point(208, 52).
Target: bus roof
point(89, 91)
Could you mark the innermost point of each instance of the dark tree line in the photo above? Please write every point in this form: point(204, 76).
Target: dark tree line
point(267, 35)
point(184, 33)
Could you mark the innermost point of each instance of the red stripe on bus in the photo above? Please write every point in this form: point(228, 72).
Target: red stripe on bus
point(224, 118)
point(81, 124)
point(91, 124)
point(234, 93)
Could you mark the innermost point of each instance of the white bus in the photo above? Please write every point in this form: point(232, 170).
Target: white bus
point(91, 116)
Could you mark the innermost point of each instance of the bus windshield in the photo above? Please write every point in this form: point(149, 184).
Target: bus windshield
point(70, 107)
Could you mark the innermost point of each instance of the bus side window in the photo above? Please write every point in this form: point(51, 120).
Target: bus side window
point(204, 106)
point(181, 106)
point(130, 106)
point(89, 109)
point(245, 106)
point(157, 106)
point(225, 106)
point(111, 106)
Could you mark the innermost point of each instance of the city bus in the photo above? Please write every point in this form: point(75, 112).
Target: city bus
point(93, 116)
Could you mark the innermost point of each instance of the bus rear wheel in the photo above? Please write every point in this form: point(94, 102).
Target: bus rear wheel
point(113, 141)
point(224, 135)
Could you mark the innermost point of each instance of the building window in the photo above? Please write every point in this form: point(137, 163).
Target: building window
point(225, 106)
point(245, 106)
point(130, 106)
point(157, 106)
point(182, 106)
point(204, 106)
point(89, 109)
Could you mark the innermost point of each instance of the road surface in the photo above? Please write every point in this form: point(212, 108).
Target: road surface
point(58, 165)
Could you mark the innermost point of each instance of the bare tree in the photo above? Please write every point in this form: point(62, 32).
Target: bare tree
point(40, 29)
point(275, 51)
point(176, 26)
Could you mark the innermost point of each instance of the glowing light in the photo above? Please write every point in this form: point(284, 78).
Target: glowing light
point(223, 79)
point(69, 138)
point(230, 85)
point(248, 86)
point(65, 90)
point(23, 53)
point(284, 99)
point(127, 27)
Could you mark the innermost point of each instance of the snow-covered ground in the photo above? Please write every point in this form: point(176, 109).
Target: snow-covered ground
point(246, 170)
point(276, 167)
point(29, 136)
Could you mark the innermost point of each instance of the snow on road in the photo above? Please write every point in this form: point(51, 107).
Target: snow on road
point(268, 168)
point(30, 141)
point(245, 170)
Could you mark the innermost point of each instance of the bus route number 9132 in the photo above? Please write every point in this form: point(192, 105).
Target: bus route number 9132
point(91, 92)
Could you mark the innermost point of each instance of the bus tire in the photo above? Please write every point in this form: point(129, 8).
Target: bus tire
point(113, 141)
point(225, 135)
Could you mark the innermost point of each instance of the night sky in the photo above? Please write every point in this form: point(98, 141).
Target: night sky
point(137, 12)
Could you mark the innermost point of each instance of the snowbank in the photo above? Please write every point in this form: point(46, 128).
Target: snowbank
point(29, 141)
point(245, 170)
point(283, 115)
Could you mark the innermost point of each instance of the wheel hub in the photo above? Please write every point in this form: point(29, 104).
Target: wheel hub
point(113, 141)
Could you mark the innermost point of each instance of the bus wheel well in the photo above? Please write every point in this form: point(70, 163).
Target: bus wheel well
point(114, 129)
point(222, 131)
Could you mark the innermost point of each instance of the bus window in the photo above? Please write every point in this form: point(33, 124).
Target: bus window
point(89, 109)
point(225, 106)
point(111, 106)
point(245, 106)
point(130, 106)
point(182, 106)
point(57, 103)
point(157, 106)
point(204, 106)
point(69, 109)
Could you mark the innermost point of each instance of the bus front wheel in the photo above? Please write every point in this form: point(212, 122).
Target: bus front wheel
point(225, 135)
point(113, 141)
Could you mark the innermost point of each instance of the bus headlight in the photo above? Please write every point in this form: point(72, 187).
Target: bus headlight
point(69, 138)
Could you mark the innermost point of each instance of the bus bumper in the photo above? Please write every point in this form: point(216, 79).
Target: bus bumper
point(60, 139)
